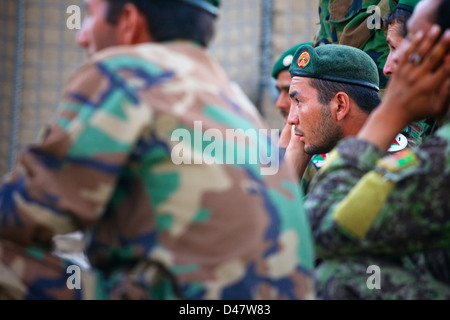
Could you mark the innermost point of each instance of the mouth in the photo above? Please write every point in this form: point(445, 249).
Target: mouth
point(298, 132)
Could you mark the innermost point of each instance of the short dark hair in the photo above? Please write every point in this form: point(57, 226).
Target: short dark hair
point(367, 99)
point(400, 16)
point(169, 20)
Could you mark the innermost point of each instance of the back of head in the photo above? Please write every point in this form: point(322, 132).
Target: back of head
point(168, 20)
point(334, 68)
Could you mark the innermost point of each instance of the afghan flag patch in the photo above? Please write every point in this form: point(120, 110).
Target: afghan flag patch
point(319, 159)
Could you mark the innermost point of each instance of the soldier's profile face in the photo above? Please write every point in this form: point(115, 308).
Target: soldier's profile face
point(96, 33)
point(313, 121)
point(394, 38)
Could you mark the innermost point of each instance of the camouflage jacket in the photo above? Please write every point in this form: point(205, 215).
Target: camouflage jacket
point(105, 165)
point(356, 23)
point(396, 205)
point(410, 137)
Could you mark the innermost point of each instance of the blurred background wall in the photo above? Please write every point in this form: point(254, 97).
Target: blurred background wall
point(38, 53)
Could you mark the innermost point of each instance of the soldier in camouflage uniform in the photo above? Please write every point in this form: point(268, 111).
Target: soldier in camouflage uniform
point(395, 24)
point(416, 131)
point(369, 213)
point(159, 224)
point(333, 90)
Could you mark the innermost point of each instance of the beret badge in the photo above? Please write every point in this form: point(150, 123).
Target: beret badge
point(303, 59)
point(288, 60)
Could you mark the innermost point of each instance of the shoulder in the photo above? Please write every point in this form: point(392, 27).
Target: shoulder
point(399, 161)
point(139, 66)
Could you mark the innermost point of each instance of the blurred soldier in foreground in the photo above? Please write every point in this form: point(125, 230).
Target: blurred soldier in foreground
point(129, 159)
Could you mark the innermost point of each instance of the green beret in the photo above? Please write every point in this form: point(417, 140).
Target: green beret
point(284, 62)
point(336, 62)
point(212, 6)
point(407, 5)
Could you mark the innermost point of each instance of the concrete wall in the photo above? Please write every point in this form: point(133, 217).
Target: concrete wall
point(295, 21)
point(8, 37)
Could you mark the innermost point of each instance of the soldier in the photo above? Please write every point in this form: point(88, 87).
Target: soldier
point(160, 224)
point(395, 24)
point(368, 211)
point(332, 92)
point(416, 131)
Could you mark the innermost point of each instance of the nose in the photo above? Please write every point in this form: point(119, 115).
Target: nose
point(82, 36)
point(389, 67)
point(292, 118)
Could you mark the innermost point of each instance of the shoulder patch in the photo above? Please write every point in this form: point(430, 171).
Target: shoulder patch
point(399, 161)
point(319, 159)
point(399, 143)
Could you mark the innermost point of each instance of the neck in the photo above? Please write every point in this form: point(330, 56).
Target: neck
point(353, 123)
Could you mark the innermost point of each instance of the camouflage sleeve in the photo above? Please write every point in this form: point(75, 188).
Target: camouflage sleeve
point(362, 202)
point(63, 182)
point(357, 24)
point(308, 176)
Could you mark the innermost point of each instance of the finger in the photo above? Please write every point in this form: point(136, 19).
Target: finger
point(437, 55)
point(285, 137)
point(435, 82)
point(446, 65)
point(427, 44)
point(411, 47)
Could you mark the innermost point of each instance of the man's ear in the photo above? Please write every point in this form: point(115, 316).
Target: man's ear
point(341, 105)
point(132, 27)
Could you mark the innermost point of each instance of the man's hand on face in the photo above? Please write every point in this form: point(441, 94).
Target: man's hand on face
point(295, 152)
point(420, 87)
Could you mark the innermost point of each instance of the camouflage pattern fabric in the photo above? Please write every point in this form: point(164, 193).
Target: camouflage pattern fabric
point(154, 229)
point(349, 279)
point(414, 134)
point(417, 131)
point(393, 208)
point(311, 170)
point(358, 24)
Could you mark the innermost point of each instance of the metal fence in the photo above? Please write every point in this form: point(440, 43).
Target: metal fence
point(38, 53)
